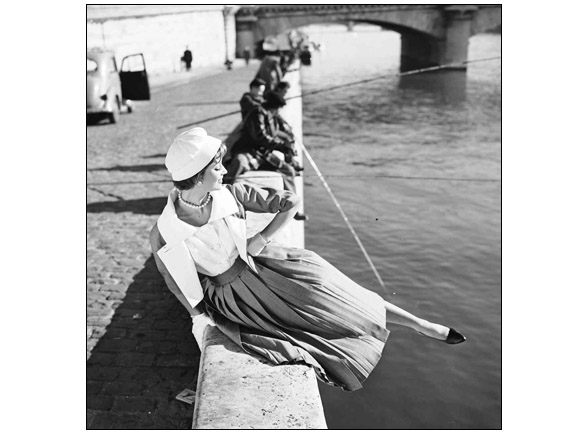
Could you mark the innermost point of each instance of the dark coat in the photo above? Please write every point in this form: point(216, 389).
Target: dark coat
point(259, 133)
point(248, 103)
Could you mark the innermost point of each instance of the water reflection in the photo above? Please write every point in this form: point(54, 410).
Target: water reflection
point(449, 86)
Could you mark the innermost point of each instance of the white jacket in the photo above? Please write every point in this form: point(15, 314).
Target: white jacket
point(175, 255)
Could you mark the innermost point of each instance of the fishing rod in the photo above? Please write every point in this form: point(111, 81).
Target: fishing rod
point(209, 119)
point(359, 82)
point(328, 189)
point(406, 73)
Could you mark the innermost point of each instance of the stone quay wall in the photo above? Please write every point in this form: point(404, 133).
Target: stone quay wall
point(162, 33)
point(237, 390)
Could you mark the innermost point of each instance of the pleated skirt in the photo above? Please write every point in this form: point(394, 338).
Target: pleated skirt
point(299, 309)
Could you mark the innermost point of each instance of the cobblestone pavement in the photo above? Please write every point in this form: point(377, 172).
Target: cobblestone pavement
point(140, 351)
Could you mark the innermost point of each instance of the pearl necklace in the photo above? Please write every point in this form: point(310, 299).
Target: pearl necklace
point(191, 204)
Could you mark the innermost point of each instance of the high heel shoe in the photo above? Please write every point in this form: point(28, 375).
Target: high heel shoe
point(454, 337)
point(300, 217)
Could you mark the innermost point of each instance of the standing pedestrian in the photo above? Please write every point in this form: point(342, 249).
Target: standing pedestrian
point(187, 58)
point(247, 55)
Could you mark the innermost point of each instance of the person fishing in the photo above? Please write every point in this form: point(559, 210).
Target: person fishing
point(261, 134)
point(253, 98)
point(269, 69)
point(285, 131)
point(285, 304)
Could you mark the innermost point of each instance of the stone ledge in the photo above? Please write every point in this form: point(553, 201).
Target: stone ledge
point(239, 391)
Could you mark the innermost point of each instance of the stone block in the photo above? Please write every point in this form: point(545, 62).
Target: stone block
point(250, 394)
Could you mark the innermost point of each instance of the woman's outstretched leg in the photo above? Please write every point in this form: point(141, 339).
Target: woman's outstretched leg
point(402, 317)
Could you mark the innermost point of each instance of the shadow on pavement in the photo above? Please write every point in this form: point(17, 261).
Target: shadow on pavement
point(133, 168)
point(92, 119)
point(144, 359)
point(145, 206)
point(154, 156)
point(95, 119)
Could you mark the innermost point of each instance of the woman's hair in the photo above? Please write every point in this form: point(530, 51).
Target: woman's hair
point(189, 183)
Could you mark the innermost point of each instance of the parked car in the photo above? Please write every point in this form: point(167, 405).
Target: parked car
point(108, 90)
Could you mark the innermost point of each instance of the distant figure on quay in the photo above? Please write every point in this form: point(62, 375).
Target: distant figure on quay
point(187, 59)
point(270, 71)
point(247, 55)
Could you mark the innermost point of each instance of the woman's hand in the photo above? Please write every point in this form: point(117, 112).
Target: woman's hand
point(199, 324)
point(256, 244)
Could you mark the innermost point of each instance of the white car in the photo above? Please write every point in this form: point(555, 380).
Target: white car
point(108, 90)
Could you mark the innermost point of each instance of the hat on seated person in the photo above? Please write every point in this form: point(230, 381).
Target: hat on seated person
point(273, 100)
point(190, 152)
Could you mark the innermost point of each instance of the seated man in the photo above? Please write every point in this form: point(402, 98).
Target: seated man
point(259, 138)
point(253, 98)
point(269, 70)
point(284, 130)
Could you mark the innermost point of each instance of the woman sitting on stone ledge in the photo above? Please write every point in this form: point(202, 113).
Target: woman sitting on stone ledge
point(287, 305)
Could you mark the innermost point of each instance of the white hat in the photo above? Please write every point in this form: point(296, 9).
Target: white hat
point(190, 152)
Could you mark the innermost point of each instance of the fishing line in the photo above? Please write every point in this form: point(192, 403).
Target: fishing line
point(326, 185)
point(359, 82)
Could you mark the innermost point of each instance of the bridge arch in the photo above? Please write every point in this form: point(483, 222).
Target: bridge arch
point(431, 34)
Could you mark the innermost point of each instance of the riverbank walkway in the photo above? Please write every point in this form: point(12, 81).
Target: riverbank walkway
point(140, 351)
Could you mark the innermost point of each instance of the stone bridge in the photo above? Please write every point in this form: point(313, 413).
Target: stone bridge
point(431, 35)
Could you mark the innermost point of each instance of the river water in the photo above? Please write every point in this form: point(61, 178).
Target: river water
point(415, 162)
